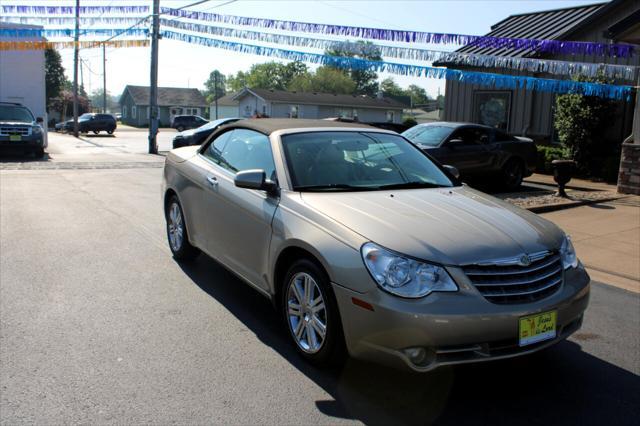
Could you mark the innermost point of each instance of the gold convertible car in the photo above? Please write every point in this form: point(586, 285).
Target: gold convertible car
point(365, 243)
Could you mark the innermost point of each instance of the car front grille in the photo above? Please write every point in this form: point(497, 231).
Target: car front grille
point(513, 283)
point(15, 130)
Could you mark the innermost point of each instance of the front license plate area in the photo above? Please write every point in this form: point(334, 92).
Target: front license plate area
point(536, 328)
point(15, 138)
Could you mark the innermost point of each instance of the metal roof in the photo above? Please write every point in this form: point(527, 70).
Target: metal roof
point(543, 25)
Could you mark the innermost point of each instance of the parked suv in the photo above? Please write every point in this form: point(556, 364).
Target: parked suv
point(184, 122)
point(90, 122)
point(19, 130)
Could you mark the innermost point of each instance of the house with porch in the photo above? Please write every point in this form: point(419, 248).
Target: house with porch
point(172, 101)
point(283, 104)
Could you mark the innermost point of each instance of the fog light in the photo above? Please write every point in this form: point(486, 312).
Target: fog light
point(416, 355)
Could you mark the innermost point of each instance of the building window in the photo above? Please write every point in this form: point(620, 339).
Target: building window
point(346, 112)
point(492, 108)
point(391, 116)
point(293, 111)
point(134, 112)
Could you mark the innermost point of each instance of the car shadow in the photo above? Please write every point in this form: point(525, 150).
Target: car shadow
point(562, 384)
point(99, 135)
point(16, 156)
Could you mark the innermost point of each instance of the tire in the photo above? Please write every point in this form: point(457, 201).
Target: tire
point(95, 132)
point(110, 132)
point(305, 323)
point(177, 232)
point(512, 174)
point(38, 153)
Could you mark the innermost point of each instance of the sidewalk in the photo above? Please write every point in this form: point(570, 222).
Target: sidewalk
point(606, 237)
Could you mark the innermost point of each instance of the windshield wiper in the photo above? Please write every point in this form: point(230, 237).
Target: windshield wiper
point(334, 186)
point(410, 185)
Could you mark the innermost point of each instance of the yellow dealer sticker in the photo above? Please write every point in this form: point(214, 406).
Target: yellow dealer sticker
point(536, 328)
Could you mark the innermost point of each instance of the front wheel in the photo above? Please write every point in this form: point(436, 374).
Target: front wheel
point(311, 313)
point(177, 232)
point(512, 175)
point(38, 153)
point(110, 132)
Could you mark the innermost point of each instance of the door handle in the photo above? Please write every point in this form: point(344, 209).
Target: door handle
point(212, 180)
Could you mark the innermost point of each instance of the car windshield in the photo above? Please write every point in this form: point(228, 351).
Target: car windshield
point(427, 135)
point(15, 113)
point(358, 161)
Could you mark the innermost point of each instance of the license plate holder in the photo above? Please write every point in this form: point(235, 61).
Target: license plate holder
point(537, 328)
point(15, 138)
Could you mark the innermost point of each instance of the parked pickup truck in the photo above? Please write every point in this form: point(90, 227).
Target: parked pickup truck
point(480, 153)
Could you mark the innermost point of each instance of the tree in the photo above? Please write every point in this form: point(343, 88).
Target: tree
point(324, 80)
point(418, 95)
point(366, 81)
point(63, 103)
point(389, 87)
point(215, 86)
point(269, 75)
point(97, 100)
point(54, 74)
point(581, 122)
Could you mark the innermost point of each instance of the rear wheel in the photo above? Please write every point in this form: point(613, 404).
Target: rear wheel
point(311, 313)
point(177, 232)
point(512, 174)
point(110, 132)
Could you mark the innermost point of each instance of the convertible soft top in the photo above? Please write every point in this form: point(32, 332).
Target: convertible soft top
point(270, 125)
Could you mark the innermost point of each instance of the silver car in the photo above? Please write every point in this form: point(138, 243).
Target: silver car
point(365, 243)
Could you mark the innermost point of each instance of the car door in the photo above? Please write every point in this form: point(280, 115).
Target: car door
point(469, 150)
point(238, 223)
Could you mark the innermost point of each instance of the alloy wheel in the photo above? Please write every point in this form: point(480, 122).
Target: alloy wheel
point(306, 313)
point(176, 227)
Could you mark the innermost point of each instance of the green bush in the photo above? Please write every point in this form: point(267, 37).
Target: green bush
point(409, 122)
point(546, 154)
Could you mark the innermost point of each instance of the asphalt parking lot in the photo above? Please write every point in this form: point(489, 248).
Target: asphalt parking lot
point(98, 324)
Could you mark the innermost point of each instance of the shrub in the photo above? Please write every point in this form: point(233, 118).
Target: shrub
point(546, 154)
point(409, 122)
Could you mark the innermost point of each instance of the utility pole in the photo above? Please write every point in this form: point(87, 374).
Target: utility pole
point(104, 79)
point(75, 70)
point(215, 91)
point(153, 92)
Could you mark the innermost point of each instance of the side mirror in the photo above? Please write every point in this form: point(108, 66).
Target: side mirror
point(451, 169)
point(255, 179)
point(39, 120)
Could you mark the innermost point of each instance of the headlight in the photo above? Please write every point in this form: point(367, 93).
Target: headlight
point(568, 254)
point(403, 276)
point(36, 130)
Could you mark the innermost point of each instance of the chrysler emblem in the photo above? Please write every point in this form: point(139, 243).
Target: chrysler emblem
point(525, 260)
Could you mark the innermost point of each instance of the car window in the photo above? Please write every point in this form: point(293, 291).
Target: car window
point(242, 149)
point(427, 135)
point(358, 161)
point(472, 136)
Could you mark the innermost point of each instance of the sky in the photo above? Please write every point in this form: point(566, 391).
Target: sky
point(187, 65)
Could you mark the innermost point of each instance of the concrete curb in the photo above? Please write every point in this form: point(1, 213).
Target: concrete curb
point(554, 207)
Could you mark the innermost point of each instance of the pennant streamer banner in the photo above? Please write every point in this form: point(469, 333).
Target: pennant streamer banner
point(70, 22)
point(71, 10)
point(546, 46)
point(484, 61)
point(41, 45)
point(484, 79)
point(63, 32)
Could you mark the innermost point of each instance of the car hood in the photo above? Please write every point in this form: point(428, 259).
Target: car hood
point(17, 123)
point(452, 226)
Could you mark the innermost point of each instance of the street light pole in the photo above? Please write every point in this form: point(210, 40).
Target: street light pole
point(104, 79)
point(153, 92)
point(75, 70)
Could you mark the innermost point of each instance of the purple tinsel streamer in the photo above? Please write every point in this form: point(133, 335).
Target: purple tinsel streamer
point(546, 46)
point(70, 10)
point(471, 77)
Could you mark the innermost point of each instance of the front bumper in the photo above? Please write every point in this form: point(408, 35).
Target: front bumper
point(26, 142)
point(452, 328)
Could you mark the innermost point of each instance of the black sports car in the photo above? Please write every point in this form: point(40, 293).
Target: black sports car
point(197, 136)
point(480, 153)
